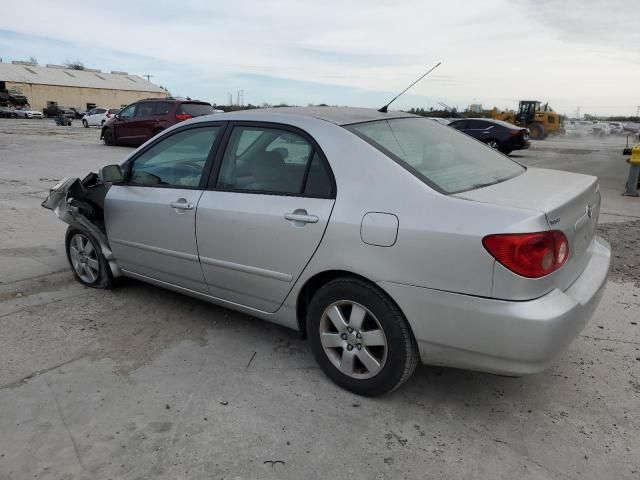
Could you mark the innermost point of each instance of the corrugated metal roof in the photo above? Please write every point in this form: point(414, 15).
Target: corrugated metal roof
point(74, 78)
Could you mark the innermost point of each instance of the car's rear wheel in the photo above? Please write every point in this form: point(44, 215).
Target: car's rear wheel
point(109, 139)
point(86, 259)
point(493, 144)
point(85, 124)
point(360, 338)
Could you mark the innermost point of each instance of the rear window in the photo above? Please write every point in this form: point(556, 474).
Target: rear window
point(113, 111)
point(445, 159)
point(195, 109)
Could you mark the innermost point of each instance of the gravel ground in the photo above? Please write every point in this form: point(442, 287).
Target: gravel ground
point(625, 245)
point(140, 383)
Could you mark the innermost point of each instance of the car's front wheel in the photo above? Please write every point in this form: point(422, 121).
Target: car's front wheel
point(86, 259)
point(360, 338)
point(109, 139)
point(85, 124)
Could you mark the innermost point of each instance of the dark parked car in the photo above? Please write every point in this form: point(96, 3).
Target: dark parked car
point(140, 121)
point(6, 112)
point(502, 136)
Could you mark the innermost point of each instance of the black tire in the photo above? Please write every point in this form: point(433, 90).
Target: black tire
point(537, 131)
point(109, 138)
point(493, 143)
point(401, 357)
point(101, 271)
point(85, 124)
point(506, 151)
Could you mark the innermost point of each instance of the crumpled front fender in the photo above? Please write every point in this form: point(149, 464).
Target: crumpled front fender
point(63, 200)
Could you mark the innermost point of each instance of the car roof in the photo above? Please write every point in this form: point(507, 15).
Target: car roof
point(172, 100)
point(335, 115)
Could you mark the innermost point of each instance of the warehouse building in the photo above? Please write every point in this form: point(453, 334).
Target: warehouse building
point(82, 89)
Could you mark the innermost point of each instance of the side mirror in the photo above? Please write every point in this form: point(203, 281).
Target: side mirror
point(111, 174)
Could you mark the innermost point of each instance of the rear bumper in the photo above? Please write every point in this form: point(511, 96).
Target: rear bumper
point(498, 336)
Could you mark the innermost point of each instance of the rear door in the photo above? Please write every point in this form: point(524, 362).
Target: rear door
point(265, 214)
point(150, 219)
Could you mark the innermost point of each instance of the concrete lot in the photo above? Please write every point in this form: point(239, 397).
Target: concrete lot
point(140, 383)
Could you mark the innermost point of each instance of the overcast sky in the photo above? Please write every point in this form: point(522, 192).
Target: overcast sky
point(571, 53)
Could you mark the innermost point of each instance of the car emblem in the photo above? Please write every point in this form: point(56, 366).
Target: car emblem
point(589, 211)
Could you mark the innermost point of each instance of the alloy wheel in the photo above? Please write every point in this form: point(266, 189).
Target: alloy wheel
point(84, 258)
point(493, 144)
point(353, 339)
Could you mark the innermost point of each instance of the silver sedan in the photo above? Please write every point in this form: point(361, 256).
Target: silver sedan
point(385, 238)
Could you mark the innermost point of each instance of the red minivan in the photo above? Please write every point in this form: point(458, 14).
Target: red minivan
point(141, 120)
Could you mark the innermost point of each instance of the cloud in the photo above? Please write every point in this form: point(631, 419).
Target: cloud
point(496, 52)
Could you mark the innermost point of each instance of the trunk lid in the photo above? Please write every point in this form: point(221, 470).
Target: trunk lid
point(570, 202)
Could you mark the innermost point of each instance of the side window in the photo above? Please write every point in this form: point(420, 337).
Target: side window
point(459, 125)
point(177, 161)
point(92, 112)
point(161, 108)
point(476, 125)
point(145, 109)
point(267, 160)
point(100, 111)
point(128, 112)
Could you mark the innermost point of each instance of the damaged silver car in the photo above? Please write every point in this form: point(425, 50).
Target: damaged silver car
point(385, 238)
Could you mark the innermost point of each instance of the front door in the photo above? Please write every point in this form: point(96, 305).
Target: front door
point(123, 125)
point(264, 218)
point(150, 219)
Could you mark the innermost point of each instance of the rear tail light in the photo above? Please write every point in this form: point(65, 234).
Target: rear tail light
point(515, 133)
point(532, 255)
point(108, 115)
point(183, 116)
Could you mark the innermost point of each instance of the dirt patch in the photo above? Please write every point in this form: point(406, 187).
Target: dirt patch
point(625, 250)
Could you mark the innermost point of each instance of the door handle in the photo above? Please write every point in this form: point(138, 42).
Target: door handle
point(181, 205)
point(300, 216)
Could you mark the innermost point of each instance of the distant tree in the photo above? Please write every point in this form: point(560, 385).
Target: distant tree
point(33, 60)
point(74, 65)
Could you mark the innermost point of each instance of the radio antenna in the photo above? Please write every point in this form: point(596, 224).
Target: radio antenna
point(384, 109)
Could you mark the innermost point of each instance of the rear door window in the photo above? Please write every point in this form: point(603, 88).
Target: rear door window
point(145, 109)
point(161, 108)
point(447, 160)
point(269, 160)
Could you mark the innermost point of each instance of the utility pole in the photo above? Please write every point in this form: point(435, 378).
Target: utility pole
point(638, 114)
point(148, 77)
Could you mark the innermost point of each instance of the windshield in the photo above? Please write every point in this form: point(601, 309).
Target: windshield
point(445, 159)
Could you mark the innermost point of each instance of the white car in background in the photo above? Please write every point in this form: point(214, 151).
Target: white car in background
point(578, 127)
point(28, 113)
point(98, 116)
point(616, 128)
